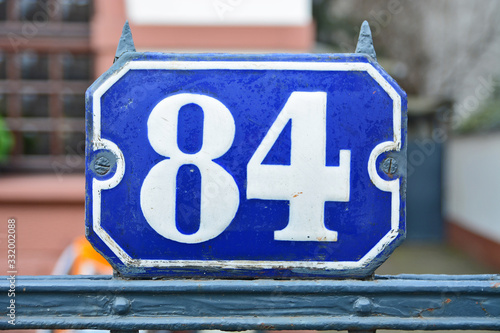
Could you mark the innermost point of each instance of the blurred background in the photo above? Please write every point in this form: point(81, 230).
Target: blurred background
point(443, 53)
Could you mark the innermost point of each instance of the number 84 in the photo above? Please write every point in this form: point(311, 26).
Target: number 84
point(306, 183)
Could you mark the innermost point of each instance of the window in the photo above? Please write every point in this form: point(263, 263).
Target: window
point(76, 66)
point(3, 68)
point(46, 110)
point(3, 105)
point(52, 10)
point(31, 10)
point(76, 10)
point(74, 143)
point(34, 105)
point(36, 143)
point(3, 10)
point(34, 66)
point(73, 105)
point(43, 81)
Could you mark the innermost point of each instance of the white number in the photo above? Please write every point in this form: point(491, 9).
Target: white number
point(307, 183)
point(219, 192)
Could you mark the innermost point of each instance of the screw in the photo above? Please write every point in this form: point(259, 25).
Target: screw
point(363, 306)
point(121, 305)
point(102, 165)
point(389, 166)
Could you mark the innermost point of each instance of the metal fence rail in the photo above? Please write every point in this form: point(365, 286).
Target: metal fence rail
point(407, 302)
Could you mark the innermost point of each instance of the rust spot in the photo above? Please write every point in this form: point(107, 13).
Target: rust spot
point(482, 308)
point(297, 194)
point(446, 301)
point(266, 327)
point(496, 285)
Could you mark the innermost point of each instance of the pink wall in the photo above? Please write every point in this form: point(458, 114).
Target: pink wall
point(49, 214)
point(110, 16)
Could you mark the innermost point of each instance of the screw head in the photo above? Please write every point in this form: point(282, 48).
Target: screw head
point(363, 306)
point(389, 166)
point(121, 305)
point(102, 165)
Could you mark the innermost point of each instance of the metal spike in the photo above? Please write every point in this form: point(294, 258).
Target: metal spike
point(365, 41)
point(126, 43)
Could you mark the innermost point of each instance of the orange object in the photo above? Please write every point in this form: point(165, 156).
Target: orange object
point(88, 261)
point(80, 258)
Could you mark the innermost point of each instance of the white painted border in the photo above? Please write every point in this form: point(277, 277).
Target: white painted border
point(392, 186)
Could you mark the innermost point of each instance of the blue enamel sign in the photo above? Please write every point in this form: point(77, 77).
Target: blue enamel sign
point(245, 166)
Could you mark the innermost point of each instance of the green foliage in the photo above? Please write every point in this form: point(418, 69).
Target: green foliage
point(6, 141)
point(485, 120)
